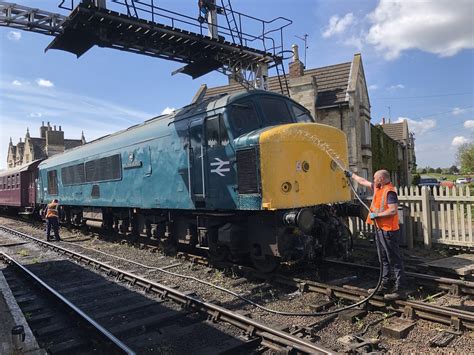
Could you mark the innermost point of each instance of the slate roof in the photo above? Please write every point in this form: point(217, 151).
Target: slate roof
point(39, 148)
point(396, 131)
point(332, 82)
point(72, 143)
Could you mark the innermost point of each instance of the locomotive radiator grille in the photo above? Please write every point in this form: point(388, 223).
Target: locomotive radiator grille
point(247, 171)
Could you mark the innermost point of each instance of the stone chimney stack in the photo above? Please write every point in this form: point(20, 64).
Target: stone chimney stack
point(43, 130)
point(54, 141)
point(296, 66)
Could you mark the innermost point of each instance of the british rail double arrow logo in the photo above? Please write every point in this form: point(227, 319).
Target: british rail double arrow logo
point(220, 169)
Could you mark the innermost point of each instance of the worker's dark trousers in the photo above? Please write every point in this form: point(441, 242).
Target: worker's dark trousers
point(391, 258)
point(52, 222)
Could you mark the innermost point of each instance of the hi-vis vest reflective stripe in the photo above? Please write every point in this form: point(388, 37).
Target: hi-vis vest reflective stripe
point(379, 204)
point(52, 210)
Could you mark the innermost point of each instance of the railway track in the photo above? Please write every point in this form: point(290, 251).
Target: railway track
point(142, 324)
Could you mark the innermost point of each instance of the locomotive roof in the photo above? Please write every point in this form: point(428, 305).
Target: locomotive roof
point(142, 132)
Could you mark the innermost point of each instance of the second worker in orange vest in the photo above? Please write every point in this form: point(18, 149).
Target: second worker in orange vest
point(52, 220)
point(384, 212)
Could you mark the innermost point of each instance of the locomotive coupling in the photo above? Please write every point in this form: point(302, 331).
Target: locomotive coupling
point(303, 218)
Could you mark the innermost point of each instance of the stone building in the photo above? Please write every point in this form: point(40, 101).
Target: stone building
point(336, 95)
point(50, 142)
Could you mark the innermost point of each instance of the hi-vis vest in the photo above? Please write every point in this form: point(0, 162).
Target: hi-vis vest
point(379, 204)
point(52, 210)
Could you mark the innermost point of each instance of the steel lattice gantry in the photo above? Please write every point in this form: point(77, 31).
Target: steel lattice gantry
point(88, 25)
point(29, 19)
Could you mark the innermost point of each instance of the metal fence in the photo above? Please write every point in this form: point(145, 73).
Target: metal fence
point(431, 216)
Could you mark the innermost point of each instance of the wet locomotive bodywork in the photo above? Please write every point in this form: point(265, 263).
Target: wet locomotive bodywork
point(247, 174)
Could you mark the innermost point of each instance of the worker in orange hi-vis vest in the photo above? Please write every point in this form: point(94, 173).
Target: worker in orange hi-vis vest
point(384, 212)
point(52, 220)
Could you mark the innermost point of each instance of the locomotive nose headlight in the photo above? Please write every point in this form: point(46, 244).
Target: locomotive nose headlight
point(286, 187)
point(305, 166)
point(304, 219)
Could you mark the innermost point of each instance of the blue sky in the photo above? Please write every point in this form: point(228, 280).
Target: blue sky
point(418, 59)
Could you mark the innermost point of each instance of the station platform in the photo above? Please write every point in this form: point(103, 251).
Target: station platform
point(11, 316)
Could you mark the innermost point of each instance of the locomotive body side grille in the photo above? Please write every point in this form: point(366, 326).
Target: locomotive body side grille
point(247, 171)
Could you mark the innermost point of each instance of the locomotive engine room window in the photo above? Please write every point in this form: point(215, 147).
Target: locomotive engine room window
point(216, 133)
point(301, 114)
point(72, 175)
point(275, 111)
point(244, 118)
point(104, 169)
point(52, 182)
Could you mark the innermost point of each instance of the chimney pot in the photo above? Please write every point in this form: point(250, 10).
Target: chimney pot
point(60, 128)
point(55, 127)
point(296, 55)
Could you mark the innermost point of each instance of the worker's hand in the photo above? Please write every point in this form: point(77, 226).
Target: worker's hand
point(348, 173)
point(373, 215)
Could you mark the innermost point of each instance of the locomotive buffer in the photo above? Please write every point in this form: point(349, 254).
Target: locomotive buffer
point(228, 49)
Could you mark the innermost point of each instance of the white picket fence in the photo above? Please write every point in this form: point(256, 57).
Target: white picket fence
point(442, 215)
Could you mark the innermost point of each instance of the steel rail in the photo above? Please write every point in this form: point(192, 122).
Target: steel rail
point(252, 327)
point(84, 318)
point(443, 283)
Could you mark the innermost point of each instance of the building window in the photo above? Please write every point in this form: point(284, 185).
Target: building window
point(52, 182)
point(366, 133)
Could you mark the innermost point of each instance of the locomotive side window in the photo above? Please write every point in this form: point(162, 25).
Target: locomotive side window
point(52, 182)
point(216, 133)
point(301, 115)
point(244, 118)
point(275, 111)
point(104, 169)
point(72, 175)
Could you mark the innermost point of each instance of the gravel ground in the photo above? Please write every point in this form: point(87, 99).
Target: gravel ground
point(275, 297)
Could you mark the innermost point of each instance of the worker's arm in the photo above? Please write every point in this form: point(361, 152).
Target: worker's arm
point(390, 211)
point(359, 179)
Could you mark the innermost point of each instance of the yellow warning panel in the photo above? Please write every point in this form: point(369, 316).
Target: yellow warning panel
point(300, 165)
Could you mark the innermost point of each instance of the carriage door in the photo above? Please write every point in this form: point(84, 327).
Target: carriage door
point(197, 162)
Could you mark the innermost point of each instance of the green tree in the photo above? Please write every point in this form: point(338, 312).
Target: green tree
point(416, 179)
point(465, 157)
point(439, 170)
point(423, 171)
point(453, 169)
point(431, 170)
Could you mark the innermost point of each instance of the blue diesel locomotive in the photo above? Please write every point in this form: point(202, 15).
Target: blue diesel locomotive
point(246, 175)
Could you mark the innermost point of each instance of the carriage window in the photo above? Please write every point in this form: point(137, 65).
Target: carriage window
point(104, 169)
point(216, 132)
point(275, 111)
point(52, 182)
point(17, 181)
point(72, 175)
point(9, 182)
point(244, 118)
point(301, 114)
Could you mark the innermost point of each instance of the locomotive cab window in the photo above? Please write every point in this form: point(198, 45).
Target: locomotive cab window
point(275, 111)
point(301, 114)
point(52, 182)
point(216, 132)
point(244, 118)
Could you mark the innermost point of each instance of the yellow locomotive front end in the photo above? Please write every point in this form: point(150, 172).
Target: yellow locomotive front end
point(301, 165)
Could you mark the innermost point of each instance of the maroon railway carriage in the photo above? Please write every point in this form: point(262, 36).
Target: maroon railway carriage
point(18, 188)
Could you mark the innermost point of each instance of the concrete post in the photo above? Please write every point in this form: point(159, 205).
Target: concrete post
point(426, 216)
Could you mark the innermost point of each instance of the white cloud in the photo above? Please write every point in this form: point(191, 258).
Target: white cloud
point(354, 41)
point(167, 110)
point(459, 140)
point(418, 126)
point(35, 114)
point(439, 27)
point(458, 111)
point(469, 124)
point(14, 36)
point(373, 87)
point(338, 25)
point(395, 87)
point(44, 83)
point(17, 83)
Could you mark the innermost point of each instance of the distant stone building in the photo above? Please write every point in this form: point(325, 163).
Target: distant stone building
point(50, 142)
point(336, 95)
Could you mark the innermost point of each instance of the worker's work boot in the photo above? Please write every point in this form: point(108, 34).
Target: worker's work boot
point(396, 294)
point(383, 289)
